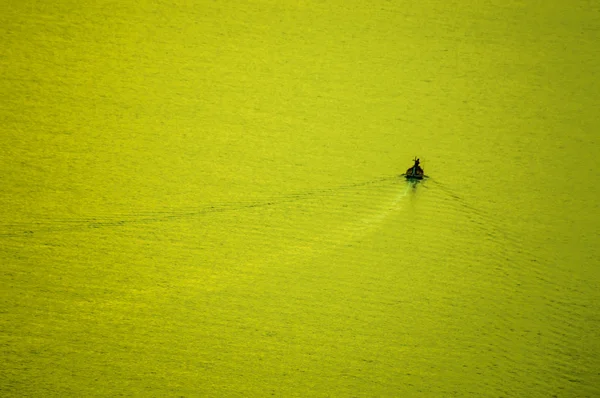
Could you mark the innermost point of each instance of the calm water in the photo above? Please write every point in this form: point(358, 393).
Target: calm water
point(204, 200)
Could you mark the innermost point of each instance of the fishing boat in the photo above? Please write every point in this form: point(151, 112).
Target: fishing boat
point(415, 172)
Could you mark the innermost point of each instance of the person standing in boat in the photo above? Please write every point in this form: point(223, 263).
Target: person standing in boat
point(416, 167)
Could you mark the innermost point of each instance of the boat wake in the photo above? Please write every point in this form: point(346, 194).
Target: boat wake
point(394, 205)
point(368, 220)
point(51, 225)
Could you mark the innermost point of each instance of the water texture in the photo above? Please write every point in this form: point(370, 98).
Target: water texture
point(205, 199)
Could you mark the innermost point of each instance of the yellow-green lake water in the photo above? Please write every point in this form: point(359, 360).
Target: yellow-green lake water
point(204, 198)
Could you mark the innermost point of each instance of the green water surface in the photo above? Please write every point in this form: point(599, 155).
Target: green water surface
point(204, 198)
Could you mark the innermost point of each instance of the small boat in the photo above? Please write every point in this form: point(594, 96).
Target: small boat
point(415, 172)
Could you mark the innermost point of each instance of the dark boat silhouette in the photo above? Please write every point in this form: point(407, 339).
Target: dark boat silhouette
point(415, 172)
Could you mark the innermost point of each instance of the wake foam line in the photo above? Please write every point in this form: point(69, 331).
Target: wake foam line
point(363, 226)
point(146, 217)
point(378, 218)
